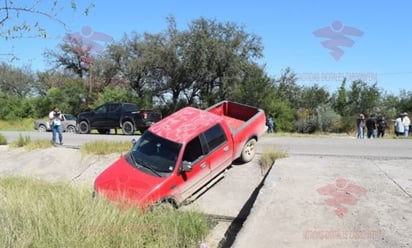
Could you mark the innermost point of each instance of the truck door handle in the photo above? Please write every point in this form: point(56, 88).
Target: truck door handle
point(226, 148)
point(203, 165)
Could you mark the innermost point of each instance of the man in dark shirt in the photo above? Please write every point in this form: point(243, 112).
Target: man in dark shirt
point(381, 127)
point(371, 126)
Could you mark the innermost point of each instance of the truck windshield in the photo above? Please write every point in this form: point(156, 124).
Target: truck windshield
point(156, 153)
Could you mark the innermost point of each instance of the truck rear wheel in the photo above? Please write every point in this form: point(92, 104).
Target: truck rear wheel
point(84, 127)
point(248, 151)
point(128, 128)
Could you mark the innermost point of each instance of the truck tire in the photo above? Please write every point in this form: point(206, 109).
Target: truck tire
point(128, 128)
point(248, 151)
point(71, 129)
point(84, 127)
point(42, 128)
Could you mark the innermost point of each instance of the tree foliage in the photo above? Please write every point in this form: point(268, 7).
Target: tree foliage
point(207, 62)
point(16, 16)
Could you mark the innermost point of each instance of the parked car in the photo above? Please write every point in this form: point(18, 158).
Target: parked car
point(68, 124)
point(114, 115)
point(174, 160)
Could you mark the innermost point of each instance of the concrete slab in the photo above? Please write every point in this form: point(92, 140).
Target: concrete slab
point(300, 204)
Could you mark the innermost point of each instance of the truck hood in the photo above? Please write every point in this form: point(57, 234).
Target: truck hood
point(123, 182)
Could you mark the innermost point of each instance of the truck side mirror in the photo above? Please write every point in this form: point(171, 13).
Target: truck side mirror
point(186, 166)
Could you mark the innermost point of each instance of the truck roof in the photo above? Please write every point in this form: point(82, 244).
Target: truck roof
point(184, 124)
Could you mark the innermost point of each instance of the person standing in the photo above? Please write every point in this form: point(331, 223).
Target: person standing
point(381, 127)
point(55, 117)
point(399, 128)
point(371, 126)
point(270, 124)
point(406, 124)
point(360, 124)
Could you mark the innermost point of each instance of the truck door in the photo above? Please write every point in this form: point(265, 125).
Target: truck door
point(113, 115)
point(220, 149)
point(191, 180)
point(99, 118)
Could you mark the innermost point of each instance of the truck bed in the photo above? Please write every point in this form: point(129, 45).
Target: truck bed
point(235, 114)
point(245, 122)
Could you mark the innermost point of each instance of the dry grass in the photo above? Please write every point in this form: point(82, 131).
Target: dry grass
point(268, 158)
point(102, 147)
point(40, 214)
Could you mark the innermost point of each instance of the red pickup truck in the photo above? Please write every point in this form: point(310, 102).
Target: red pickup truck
point(178, 156)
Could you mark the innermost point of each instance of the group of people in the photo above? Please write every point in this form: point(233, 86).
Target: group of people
point(402, 125)
point(375, 127)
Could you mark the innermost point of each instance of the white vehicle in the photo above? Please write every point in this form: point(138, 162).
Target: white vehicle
point(68, 124)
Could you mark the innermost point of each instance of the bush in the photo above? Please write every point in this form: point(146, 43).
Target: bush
point(327, 119)
point(324, 119)
point(3, 140)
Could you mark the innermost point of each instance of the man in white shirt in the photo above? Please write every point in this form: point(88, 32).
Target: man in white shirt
point(55, 118)
point(399, 128)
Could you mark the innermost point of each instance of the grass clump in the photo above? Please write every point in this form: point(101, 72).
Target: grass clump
point(102, 147)
point(36, 213)
point(3, 139)
point(38, 144)
point(21, 141)
point(29, 144)
point(269, 157)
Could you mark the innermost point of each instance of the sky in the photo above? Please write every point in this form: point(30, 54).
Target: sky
point(321, 41)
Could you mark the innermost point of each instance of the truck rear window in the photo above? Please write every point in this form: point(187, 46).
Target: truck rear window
point(129, 107)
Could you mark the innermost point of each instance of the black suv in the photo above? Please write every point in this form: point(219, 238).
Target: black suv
point(115, 115)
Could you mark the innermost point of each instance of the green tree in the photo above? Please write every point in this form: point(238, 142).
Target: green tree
point(15, 81)
point(340, 100)
point(73, 56)
point(313, 96)
point(286, 87)
point(363, 98)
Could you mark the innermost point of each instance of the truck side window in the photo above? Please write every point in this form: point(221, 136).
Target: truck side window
point(113, 107)
point(101, 109)
point(215, 137)
point(193, 150)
